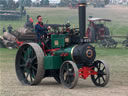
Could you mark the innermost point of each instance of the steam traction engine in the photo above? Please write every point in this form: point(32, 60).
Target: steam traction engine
point(66, 57)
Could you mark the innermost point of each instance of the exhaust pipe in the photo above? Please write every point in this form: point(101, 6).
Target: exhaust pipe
point(82, 19)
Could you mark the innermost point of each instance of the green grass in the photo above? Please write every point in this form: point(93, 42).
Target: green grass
point(7, 53)
point(111, 52)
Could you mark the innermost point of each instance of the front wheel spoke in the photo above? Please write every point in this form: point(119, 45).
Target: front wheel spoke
point(65, 69)
point(71, 79)
point(99, 66)
point(71, 74)
point(103, 78)
point(103, 69)
point(96, 78)
point(99, 80)
point(67, 80)
point(104, 73)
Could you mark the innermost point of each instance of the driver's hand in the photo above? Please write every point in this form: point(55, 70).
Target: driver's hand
point(41, 37)
point(49, 27)
point(49, 33)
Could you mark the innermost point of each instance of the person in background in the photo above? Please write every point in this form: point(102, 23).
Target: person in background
point(10, 28)
point(4, 30)
point(29, 23)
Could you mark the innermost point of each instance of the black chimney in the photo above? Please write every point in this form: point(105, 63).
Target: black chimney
point(82, 18)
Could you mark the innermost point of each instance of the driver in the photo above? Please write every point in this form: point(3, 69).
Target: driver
point(40, 29)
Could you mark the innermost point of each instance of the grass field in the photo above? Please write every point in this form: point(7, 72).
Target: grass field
point(116, 58)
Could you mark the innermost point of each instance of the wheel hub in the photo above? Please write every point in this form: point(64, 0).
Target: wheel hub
point(29, 63)
point(100, 73)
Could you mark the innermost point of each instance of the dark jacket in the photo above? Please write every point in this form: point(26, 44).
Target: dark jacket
point(40, 30)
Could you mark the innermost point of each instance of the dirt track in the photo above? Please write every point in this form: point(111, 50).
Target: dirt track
point(48, 87)
point(118, 85)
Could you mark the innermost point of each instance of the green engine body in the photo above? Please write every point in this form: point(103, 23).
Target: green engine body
point(66, 49)
point(57, 41)
point(54, 61)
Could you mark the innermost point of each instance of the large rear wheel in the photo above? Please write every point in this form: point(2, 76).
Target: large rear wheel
point(29, 64)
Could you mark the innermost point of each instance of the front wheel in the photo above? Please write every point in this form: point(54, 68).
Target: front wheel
point(102, 77)
point(69, 74)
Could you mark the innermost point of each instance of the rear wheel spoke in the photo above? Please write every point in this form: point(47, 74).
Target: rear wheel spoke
point(34, 73)
point(28, 53)
point(33, 58)
point(34, 68)
point(22, 58)
point(35, 63)
point(31, 77)
point(23, 51)
point(27, 75)
point(22, 65)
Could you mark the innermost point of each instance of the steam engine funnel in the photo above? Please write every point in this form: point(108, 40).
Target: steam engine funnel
point(82, 18)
